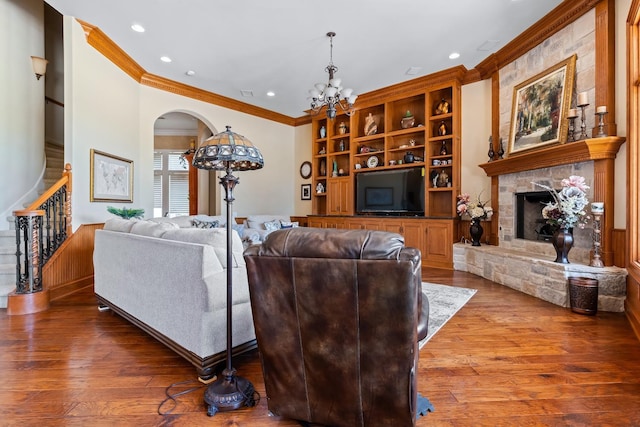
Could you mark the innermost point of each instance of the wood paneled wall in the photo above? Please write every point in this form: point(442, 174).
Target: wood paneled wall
point(71, 267)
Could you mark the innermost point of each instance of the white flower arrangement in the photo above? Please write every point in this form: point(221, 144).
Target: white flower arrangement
point(474, 210)
point(568, 208)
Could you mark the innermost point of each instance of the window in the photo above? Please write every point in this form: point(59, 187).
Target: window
point(170, 184)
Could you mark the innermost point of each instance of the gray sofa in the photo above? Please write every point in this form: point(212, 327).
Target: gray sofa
point(171, 282)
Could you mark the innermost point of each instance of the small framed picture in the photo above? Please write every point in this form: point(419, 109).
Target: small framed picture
point(305, 191)
point(111, 178)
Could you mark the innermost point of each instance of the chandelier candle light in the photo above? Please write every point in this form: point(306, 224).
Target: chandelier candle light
point(332, 94)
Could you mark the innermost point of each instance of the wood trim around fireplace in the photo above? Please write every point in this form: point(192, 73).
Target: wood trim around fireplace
point(602, 151)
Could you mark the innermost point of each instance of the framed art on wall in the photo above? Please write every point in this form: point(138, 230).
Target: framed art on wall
point(540, 108)
point(111, 178)
point(305, 191)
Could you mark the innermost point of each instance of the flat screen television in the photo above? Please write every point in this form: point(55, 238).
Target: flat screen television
point(391, 192)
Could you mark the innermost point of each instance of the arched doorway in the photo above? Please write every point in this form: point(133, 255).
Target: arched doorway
point(179, 188)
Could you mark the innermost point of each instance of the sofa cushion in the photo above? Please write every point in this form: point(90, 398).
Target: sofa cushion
point(289, 224)
point(214, 237)
point(152, 229)
point(183, 221)
point(257, 221)
point(119, 224)
point(198, 223)
point(272, 225)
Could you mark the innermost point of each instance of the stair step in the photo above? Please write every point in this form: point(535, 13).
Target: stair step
point(5, 290)
point(7, 254)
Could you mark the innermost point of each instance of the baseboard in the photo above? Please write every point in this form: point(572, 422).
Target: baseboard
point(70, 288)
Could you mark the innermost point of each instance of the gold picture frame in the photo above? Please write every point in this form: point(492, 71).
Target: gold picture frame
point(111, 178)
point(540, 108)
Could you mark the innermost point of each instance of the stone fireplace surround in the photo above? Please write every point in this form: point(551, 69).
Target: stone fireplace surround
point(528, 266)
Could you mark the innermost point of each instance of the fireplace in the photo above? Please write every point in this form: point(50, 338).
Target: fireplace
point(529, 223)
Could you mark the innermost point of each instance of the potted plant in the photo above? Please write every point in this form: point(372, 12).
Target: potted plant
point(126, 213)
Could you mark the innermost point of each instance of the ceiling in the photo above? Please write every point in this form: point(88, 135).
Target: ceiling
point(250, 47)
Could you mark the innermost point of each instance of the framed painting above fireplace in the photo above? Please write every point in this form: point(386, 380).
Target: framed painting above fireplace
point(540, 108)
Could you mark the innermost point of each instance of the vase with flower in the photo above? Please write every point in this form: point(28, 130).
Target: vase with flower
point(478, 211)
point(566, 212)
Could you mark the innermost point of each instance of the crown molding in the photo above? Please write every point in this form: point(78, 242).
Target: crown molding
point(564, 14)
point(103, 44)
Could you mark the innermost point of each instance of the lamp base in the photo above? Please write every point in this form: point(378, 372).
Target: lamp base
point(228, 392)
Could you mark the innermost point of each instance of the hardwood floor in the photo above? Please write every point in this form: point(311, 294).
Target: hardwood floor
point(505, 359)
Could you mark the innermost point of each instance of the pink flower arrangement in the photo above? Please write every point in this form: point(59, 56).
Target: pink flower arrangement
point(474, 210)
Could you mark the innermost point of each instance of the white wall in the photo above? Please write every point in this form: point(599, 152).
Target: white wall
point(622, 10)
point(108, 111)
point(476, 129)
point(21, 104)
point(302, 153)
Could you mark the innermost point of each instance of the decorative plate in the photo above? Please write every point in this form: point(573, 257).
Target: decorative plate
point(305, 170)
point(372, 162)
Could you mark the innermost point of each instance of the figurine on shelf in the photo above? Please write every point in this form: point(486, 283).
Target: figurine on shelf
point(442, 107)
point(370, 126)
point(442, 129)
point(323, 132)
point(322, 151)
point(341, 145)
point(491, 153)
point(434, 178)
point(323, 167)
point(342, 128)
point(408, 120)
point(443, 179)
point(335, 169)
point(319, 188)
point(443, 149)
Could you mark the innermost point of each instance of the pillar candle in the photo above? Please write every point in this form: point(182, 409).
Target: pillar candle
point(601, 109)
point(582, 98)
point(597, 207)
point(573, 112)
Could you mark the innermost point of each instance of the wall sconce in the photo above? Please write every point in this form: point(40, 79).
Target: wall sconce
point(39, 66)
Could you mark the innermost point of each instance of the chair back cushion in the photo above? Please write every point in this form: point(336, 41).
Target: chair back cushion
point(336, 314)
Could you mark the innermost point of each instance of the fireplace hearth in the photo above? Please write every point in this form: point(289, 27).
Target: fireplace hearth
point(529, 223)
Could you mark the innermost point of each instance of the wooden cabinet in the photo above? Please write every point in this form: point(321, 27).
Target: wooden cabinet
point(340, 196)
point(432, 237)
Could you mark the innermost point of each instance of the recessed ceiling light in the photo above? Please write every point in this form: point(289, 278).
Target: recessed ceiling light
point(454, 55)
point(271, 93)
point(190, 73)
point(137, 28)
point(165, 59)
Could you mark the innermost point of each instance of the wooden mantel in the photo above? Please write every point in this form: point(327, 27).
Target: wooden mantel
point(602, 151)
point(557, 155)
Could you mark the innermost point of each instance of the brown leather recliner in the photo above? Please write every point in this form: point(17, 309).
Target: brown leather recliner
point(338, 315)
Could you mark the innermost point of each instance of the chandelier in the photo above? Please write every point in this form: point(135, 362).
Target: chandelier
point(331, 94)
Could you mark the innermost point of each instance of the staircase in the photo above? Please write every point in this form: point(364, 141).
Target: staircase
point(53, 172)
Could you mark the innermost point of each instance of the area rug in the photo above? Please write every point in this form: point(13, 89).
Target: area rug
point(444, 302)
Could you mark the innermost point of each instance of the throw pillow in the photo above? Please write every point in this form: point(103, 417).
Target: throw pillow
point(289, 224)
point(197, 223)
point(272, 225)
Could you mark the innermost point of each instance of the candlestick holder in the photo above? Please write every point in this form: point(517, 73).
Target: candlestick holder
point(601, 131)
point(597, 238)
point(583, 126)
point(572, 128)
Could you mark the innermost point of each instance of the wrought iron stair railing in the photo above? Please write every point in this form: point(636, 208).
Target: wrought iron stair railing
point(40, 230)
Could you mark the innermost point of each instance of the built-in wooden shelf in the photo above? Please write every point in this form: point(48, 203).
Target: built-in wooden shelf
point(572, 152)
